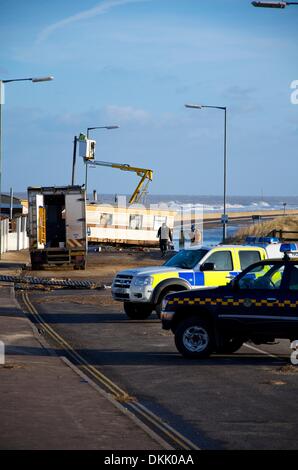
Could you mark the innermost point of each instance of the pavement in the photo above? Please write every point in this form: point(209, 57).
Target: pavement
point(45, 403)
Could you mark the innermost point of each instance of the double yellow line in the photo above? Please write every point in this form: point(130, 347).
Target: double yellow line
point(156, 423)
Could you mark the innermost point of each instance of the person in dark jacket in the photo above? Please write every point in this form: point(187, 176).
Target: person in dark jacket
point(165, 235)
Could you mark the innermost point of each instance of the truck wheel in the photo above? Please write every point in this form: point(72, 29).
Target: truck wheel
point(137, 311)
point(194, 338)
point(230, 345)
point(35, 267)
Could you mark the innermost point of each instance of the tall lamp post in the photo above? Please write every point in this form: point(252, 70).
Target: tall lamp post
point(273, 4)
point(2, 82)
point(224, 216)
point(86, 163)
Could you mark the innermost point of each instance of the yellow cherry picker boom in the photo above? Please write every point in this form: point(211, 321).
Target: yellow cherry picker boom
point(145, 174)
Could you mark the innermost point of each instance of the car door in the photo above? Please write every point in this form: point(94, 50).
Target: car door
point(252, 305)
point(223, 263)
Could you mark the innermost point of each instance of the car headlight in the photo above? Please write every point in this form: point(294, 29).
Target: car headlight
point(143, 281)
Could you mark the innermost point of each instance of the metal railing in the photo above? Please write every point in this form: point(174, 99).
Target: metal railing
point(285, 235)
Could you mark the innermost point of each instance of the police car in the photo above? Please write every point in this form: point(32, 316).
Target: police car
point(142, 290)
point(260, 305)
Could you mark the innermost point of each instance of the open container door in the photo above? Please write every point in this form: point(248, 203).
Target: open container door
point(75, 222)
point(40, 222)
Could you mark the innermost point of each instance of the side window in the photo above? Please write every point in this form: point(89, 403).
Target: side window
point(264, 276)
point(248, 257)
point(293, 284)
point(105, 219)
point(276, 278)
point(222, 261)
point(136, 222)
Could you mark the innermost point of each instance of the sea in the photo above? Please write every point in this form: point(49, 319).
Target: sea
point(209, 204)
point(214, 203)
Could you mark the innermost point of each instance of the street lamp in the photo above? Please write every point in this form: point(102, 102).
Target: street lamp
point(86, 162)
point(2, 82)
point(224, 216)
point(100, 127)
point(273, 4)
point(32, 79)
point(284, 204)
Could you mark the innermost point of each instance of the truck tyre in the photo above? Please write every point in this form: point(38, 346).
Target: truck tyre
point(230, 345)
point(194, 338)
point(35, 267)
point(137, 311)
point(163, 294)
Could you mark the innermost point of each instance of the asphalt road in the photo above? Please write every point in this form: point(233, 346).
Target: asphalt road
point(247, 400)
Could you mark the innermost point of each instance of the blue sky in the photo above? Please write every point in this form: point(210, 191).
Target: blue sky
point(134, 63)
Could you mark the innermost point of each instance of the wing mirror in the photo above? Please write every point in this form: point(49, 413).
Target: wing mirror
point(208, 267)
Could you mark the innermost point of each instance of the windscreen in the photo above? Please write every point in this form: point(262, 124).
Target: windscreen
point(186, 259)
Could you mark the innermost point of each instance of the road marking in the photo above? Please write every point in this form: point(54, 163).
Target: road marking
point(118, 405)
point(262, 351)
point(120, 395)
point(109, 384)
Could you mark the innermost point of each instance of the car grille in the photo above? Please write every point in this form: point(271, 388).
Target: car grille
point(123, 281)
point(121, 296)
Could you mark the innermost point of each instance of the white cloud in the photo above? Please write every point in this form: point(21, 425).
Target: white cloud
point(99, 9)
point(126, 114)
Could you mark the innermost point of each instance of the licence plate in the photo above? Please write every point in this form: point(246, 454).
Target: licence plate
point(120, 290)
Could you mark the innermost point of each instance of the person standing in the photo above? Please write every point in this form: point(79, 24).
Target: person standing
point(195, 235)
point(165, 235)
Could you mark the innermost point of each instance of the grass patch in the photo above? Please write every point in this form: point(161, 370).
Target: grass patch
point(263, 229)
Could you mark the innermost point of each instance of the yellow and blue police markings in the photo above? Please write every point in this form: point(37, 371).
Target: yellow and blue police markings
point(196, 278)
point(208, 278)
point(159, 277)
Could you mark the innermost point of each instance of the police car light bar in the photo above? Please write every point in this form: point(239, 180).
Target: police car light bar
point(251, 240)
point(289, 248)
point(254, 240)
point(268, 240)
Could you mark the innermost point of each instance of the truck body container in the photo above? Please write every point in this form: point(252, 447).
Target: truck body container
point(57, 226)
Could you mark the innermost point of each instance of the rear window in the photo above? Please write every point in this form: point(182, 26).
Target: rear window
point(248, 257)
